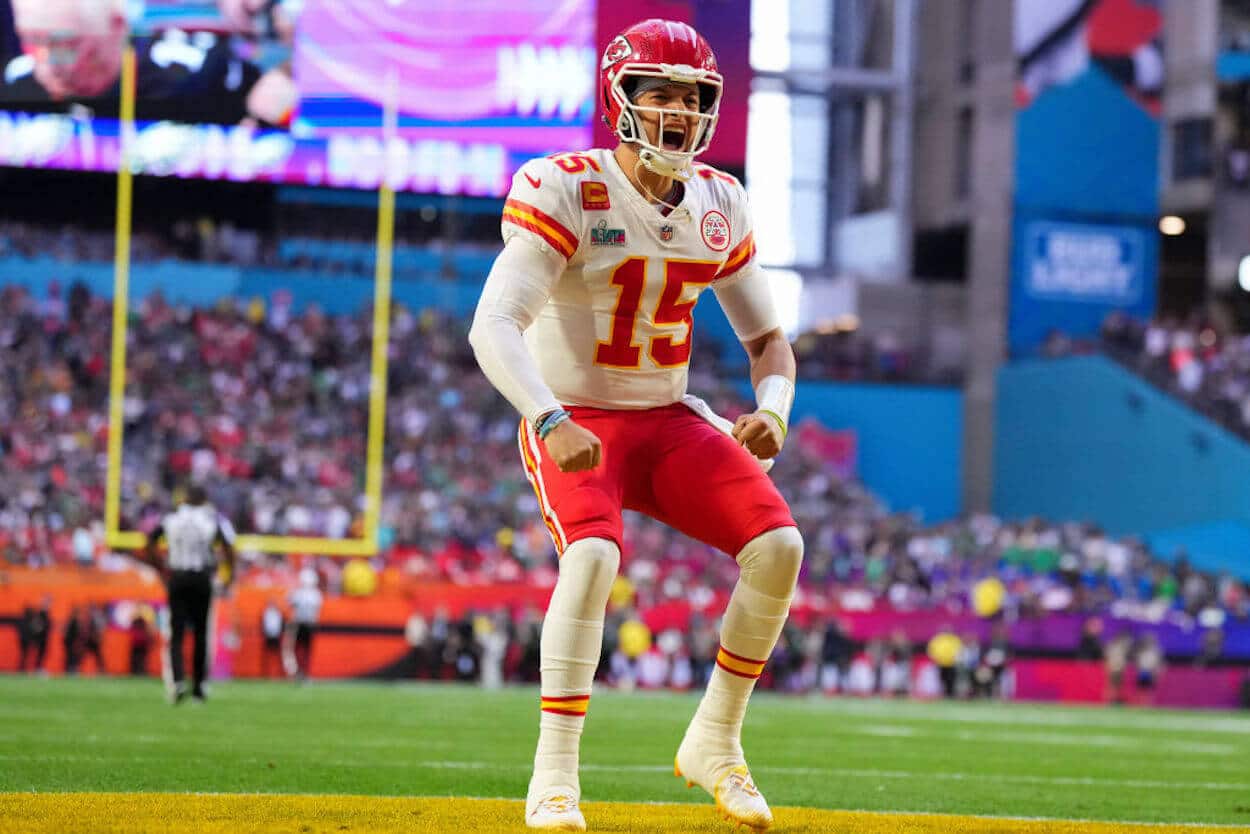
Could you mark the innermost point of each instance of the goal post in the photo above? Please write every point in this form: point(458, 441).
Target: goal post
point(367, 544)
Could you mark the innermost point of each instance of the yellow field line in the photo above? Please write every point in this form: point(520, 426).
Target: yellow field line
point(175, 813)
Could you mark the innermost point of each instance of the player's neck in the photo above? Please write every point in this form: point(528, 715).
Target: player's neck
point(652, 186)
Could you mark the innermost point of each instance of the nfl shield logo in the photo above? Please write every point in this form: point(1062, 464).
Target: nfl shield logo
point(666, 232)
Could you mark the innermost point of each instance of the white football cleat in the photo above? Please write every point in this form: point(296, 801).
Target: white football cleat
point(737, 797)
point(555, 811)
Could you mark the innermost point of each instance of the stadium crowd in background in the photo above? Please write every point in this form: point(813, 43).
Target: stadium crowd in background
point(496, 648)
point(1204, 365)
point(267, 409)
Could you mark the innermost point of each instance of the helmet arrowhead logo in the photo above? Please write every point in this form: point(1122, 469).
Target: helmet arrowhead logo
point(618, 50)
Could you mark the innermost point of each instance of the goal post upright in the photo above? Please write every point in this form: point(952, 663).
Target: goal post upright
point(383, 257)
point(114, 536)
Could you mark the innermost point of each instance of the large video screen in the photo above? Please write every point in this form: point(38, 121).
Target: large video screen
point(297, 91)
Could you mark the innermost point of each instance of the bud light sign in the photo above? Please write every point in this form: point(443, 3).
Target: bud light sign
point(1093, 264)
point(1067, 277)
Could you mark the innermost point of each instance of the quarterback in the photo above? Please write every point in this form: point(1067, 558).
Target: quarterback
point(584, 325)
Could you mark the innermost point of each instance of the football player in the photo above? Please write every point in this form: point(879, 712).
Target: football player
point(584, 324)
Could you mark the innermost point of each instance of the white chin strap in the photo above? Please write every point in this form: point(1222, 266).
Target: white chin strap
point(660, 160)
point(676, 165)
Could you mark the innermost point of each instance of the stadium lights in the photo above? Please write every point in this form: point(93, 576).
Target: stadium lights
point(1243, 273)
point(1171, 225)
point(846, 323)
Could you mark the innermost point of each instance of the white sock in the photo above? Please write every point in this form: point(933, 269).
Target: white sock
point(752, 624)
point(571, 640)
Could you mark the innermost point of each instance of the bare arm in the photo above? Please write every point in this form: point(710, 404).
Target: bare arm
point(770, 355)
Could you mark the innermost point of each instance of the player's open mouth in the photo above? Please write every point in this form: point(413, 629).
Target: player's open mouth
point(673, 140)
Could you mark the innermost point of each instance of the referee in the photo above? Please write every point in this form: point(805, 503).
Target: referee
point(193, 531)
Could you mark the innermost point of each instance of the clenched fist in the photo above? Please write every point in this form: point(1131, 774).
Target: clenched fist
point(573, 448)
point(760, 433)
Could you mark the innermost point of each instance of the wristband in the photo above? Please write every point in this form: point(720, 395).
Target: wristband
point(550, 421)
point(777, 417)
point(774, 396)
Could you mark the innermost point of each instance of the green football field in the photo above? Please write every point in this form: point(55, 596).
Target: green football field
point(118, 735)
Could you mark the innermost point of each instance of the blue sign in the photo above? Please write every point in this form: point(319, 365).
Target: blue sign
point(1084, 263)
point(1067, 277)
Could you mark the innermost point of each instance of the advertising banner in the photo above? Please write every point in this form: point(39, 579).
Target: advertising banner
point(1088, 92)
point(1068, 277)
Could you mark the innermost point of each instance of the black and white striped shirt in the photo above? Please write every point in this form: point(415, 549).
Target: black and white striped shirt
point(192, 532)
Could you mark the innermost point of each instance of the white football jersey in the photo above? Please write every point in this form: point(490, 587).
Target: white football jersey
point(616, 332)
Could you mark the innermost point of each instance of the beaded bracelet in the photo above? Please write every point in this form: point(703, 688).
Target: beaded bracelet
point(550, 421)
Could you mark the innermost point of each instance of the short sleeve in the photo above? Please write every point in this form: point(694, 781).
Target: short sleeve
point(539, 209)
point(741, 258)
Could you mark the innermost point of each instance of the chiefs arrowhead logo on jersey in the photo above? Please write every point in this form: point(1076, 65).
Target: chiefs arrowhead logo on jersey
point(616, 52)
point(715, 231)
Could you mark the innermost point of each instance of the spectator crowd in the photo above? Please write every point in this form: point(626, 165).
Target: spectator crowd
point(1208, 368)
point(267, 407)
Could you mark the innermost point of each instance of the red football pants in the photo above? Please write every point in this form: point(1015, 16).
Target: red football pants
point(666, 462)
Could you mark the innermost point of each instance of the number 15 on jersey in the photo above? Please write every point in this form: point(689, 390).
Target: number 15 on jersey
point(665, 332)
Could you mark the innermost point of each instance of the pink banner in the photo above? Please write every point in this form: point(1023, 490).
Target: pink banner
point(1087, 681)
point(493, 72)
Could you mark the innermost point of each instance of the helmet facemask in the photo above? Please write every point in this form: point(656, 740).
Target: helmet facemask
point(629, 126)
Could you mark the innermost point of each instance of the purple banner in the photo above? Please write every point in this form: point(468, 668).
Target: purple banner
point(1058, 633)
point(242, 152)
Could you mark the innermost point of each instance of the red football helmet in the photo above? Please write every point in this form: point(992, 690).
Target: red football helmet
point(666, 49)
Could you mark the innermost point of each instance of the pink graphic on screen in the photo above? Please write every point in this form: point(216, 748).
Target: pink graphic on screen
point(517, 72)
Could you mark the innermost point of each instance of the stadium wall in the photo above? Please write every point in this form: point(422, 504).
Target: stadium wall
point(909, 439)
point(335, 294)
point(1082, 438)
point(206, 284)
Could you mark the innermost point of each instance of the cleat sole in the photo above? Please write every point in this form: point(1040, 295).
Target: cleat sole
point(677, 772)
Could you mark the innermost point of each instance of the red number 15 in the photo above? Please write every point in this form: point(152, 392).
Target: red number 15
point(620, 351)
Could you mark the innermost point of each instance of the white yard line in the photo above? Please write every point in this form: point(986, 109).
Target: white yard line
point(1094, 715)
point(821, 772)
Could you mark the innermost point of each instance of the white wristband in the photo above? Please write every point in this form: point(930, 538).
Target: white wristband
point(775, 395)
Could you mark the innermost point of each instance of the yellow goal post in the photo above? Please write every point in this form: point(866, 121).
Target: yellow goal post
point(367, 544)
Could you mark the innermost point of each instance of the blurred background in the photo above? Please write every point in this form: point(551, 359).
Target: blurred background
point(1009, 239)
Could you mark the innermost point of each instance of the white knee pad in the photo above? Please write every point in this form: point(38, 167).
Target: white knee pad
point(770, 562)
point(587, 570)
point(573, 628)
